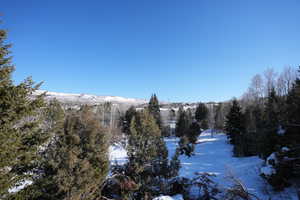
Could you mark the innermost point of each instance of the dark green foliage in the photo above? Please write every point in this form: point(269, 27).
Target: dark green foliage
point(183, 123)
point(185, 146)
point(81, 158)
point(146, 152)
point(235, 129)
point(293, 114)
point(77, 163)
point(20, 124)
point(287, 167)
point(126, 120)
point(201, 112)
point(193, 132)
point(234, 124)
point(44, 186)
point(219, 117)
point(270, 138)
point(188, 131)
point(154, 110)
point(148, 164)
point(201, 115)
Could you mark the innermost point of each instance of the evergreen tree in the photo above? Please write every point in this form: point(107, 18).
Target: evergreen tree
point(126, 120)
point(183, 123)
point(201, 115)
point(293, 113)
point(187, 141)
point(235, 128)
point(271, 124)
point(147, 154)
point(44, 185)
point(219, 117)
point(234, 124)
point(20, 131)
point(188, 131)
point(153, 108)
point(79, 160)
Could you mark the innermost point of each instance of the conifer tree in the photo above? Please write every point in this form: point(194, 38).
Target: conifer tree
point(235, 128)
point(271, 124)
point(44, 185)
point(147, 153)
point(201, 115)
point(219, 117)
point(153, 108)
point(20, 131)
point(293, 113)
point(126, 120)
point(80, 157)
point(187, 141)
point(182, 123)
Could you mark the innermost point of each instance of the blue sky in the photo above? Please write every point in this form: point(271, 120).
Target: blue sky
point(193, 50)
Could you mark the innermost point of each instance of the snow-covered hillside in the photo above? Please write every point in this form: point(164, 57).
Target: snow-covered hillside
point(214, 155)
point(89, 99)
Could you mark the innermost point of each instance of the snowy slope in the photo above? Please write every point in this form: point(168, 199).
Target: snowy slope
point(214, 155)
point(89, 99)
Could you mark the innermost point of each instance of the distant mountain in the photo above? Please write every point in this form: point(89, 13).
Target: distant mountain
point(70, 98)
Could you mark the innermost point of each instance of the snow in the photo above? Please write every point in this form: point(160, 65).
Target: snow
point(268, 170)
point(177, 197)
point(89, 99)
point(117, 153)
point(280, 131)
point(214, 155)
point(285, 149)
point(272, 159)
point(20, 186)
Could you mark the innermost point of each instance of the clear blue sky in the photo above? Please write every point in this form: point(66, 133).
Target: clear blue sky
point(182, 50)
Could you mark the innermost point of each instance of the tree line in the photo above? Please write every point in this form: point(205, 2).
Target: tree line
point(265, 122)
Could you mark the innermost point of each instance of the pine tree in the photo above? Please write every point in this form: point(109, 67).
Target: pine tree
point(20, 132)
point(147, 153)
point(126, 120)
point(234, 124)
point(80, 157)
point(183, 123)
point(153, 108)
point(293, 113)
point(235, 128)
point(44, 185)
point(201, 115)
point(271, 124)
point(188, 130)
point(219, 117)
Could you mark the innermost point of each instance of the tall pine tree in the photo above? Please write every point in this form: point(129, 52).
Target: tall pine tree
point(80, 157)
point(147, 153)
point(235, 128)
point(270, 140)
point(154, 110)
point(20, 131)
point(201, 115)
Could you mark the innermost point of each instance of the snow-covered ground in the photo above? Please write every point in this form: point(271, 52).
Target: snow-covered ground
point(118, 154)
point(214, 155)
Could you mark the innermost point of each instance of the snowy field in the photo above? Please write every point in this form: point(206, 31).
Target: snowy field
point(214, 155)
